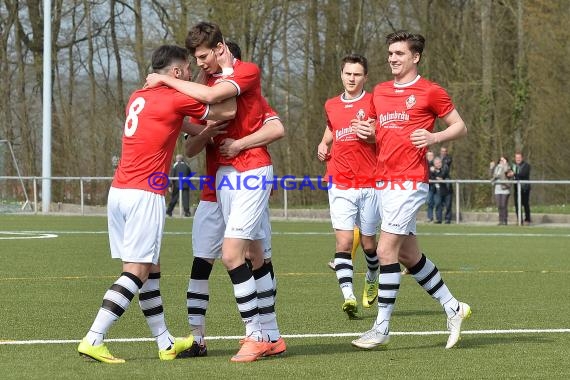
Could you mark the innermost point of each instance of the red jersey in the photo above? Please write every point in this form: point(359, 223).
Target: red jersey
point(399, 110)
point(249, 115)
point(154, 120)
point(209, 192)
point(209, 187)
point(353, 161)
point(268, 112)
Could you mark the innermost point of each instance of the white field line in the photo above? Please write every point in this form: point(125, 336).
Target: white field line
point(302, 336)
point(19, 235)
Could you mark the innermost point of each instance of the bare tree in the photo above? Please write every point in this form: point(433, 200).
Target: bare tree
point(503, 63)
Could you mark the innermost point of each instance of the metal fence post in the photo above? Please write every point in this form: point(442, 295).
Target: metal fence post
point(285, 202)
point(35, 182)
point(81, 190)
point(519, 208)
point(457, 205)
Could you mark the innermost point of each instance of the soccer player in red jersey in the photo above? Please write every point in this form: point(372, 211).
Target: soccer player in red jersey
point(136, 208)
point(351, 164)
point(243, 209)
point(404, 111)
point(208, 234)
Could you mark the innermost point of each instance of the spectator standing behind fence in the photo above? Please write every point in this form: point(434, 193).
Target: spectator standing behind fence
point(429, 201)
point(501, 172)
point(442, 191)
point(446, 159)
point(180, 168)
point(521, 172)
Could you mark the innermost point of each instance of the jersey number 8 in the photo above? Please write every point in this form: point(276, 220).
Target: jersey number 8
point(132, 121)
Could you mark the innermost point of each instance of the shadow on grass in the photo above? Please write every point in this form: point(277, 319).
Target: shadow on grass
point(467, 343)
point(477, 341)
point(342, 345)
point(369, 314)
point(405, 313)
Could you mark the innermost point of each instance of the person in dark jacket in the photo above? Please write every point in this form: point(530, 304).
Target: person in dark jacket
point(521, 170)
point(442, 192)
point(180, 168)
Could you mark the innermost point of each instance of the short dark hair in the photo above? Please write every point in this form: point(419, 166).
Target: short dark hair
point(355, 58)
point(203, 33)
point(165, 55)
point(234, 49)
point(416, 42)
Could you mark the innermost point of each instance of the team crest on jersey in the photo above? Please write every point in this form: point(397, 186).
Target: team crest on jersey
point(361, 115)
point(410, 102)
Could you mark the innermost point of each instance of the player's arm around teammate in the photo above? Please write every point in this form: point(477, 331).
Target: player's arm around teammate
point(201, 92)
point(271, 131)
point(136, 207)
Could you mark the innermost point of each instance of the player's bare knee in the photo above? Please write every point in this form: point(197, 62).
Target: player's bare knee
point(368, 243)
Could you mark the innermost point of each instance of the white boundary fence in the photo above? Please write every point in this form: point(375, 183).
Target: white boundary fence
point(287, 184)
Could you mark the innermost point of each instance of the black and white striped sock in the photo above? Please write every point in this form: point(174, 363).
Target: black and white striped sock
point(150, 302)
point(344, 272)
point(198, 296)
point(246, 298)
point(372, 263)
point(115, 301)
point(266, 302)
point(428, 277)
point(388, 287)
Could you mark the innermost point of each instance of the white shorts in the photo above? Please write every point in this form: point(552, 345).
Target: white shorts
point(208, 231)
point(355, 207)
point(266, 227)
point(135, 220)
point(399, 205)
point(243, 197)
